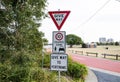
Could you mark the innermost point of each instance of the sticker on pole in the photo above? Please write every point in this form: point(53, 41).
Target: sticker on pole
point(59, 45)
point(59, 17)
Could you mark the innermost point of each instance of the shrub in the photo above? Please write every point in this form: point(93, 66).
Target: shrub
point(116, 43)
point(13, 74)
point(19, 74)
point(47, 61)
point(39, 75)
point(25, 67)
point(84, 45)
point(23, 59)
point(76, 71)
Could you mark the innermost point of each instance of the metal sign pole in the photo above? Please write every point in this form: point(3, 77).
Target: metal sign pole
point(42, 58)
point(59, 76)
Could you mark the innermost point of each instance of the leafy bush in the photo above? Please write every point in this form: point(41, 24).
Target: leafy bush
point(39, 75)
point(76, 70)
point(47, 61)
point(25, 74)
point(26, 67)
point(4, 55)
point(117, 43)
point(13, 74)
point(19, 74)
point(84, 45)
point(21, 58)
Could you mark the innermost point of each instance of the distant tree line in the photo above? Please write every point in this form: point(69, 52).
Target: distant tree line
point(111, 43)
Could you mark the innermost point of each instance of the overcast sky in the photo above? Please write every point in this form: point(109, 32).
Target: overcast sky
point(89, 19)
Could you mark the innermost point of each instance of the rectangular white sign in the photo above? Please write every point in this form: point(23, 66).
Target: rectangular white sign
point(59, 45)
point(59, 62)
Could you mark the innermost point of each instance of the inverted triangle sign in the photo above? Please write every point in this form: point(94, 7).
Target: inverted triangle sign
point(59, 17)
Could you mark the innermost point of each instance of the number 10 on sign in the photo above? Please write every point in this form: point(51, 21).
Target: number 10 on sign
point(59, 45)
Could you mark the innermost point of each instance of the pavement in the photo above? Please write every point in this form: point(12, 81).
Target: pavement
point(91, 77)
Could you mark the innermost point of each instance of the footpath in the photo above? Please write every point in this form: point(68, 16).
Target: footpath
point(91, 77)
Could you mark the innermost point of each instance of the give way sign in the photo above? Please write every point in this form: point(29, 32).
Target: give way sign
point(59, 17)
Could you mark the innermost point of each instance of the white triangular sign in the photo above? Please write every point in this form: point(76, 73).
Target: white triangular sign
point(59, 17)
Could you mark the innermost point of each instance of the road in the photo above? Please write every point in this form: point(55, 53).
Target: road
point(112, 66)
point(105, 77)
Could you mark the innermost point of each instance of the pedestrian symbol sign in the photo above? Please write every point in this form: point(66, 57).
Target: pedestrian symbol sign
point(59, 17)
point(59, 45)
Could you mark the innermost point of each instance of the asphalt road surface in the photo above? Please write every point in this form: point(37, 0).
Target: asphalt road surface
point(105, 77)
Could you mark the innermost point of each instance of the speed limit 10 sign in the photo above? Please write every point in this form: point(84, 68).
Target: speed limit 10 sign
point(58, 36)
point(59, 45)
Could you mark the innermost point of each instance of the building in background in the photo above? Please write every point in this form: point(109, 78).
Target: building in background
point(102, 40)
point(110, 40)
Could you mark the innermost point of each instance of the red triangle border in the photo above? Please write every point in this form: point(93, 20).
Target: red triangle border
point(58, 12)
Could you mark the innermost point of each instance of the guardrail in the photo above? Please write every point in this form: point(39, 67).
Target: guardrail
point(79, 52)
point(92, 53)
point(111, 55)
point(96, 54)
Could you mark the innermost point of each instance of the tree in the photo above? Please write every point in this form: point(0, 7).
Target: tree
point(18, 24)
point(45, 41)
point(117, 43)
point(20, 39)
point(72, 39)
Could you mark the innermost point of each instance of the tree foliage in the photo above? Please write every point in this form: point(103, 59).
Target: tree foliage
point(45, 41)
point(18, 23)
point(117, 43)
point(20, 40)
point(73, 40)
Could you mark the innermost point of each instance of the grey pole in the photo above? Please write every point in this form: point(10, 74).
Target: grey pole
point(59, 76)
point(43, 56)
